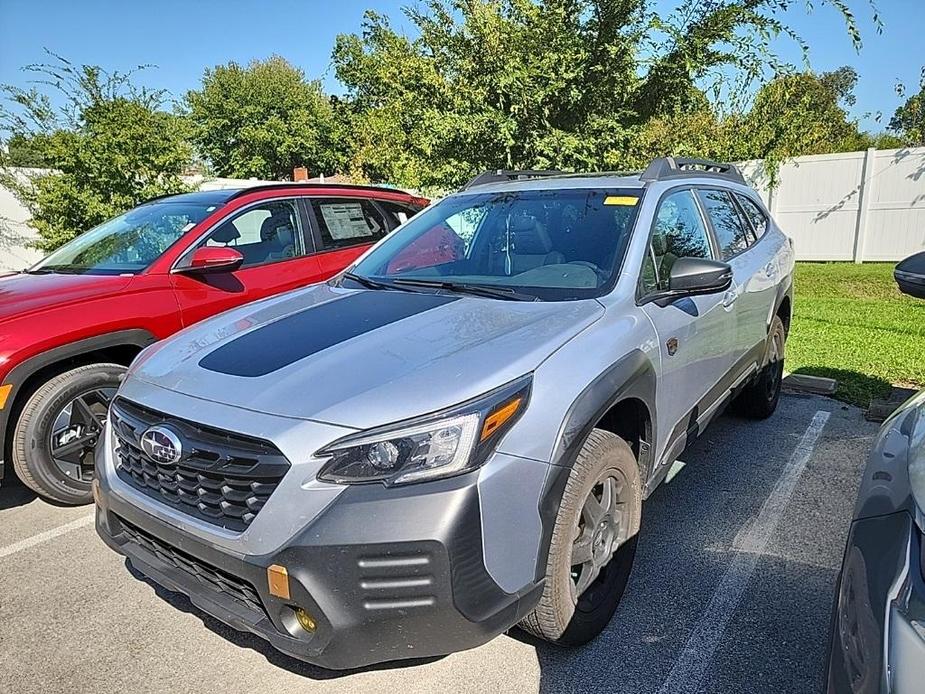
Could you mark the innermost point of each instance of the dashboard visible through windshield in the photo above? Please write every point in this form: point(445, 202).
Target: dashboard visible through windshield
point(546, 245)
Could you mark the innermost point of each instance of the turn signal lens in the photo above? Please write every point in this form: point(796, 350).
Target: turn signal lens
point(5, 394)
point(497, 418)
point(278, 581)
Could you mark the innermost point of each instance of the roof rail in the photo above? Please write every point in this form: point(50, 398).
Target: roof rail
point(245, 189)
point(500, 175)
point(679, 167)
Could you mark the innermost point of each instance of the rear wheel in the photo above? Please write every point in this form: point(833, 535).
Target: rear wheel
point(760, 398)
point(57, 431)
point(593, 544)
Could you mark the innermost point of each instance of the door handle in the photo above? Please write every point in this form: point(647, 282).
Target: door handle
point(729, 298)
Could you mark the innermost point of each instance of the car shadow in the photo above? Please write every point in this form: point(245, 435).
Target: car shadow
point(14, 493)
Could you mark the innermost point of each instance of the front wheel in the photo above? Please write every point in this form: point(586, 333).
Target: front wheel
point(57, 431)
point(593, 544)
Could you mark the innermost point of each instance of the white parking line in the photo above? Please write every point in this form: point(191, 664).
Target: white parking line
point(45, 536)
point(691, 665)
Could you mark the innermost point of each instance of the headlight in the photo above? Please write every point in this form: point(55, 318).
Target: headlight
point(440, 445)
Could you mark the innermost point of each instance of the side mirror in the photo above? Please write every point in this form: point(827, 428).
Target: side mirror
point(910, 275)
point(693, 277)
point(213, 259)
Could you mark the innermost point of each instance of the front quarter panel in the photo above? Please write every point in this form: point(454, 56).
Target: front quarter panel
point(614, 357)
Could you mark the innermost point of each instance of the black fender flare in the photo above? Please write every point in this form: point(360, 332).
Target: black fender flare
point(136, 337)
point(784, 291)
point(631, 376)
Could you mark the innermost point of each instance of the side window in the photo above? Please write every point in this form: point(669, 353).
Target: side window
point(731, 230)
point(398, 212)
point(347, 222)
point(755, 215)
point(265, 233)
point(678, 232)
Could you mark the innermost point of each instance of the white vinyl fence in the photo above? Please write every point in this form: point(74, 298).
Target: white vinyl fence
point(15, 234)
point(860, 206)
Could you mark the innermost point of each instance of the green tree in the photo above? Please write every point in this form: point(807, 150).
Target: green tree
point(262, 120)
point(572, 84)
point(909, 120)
point(108, 146)
point(798, 114)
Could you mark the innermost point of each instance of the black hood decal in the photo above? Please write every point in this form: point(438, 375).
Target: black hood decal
point(287, 340)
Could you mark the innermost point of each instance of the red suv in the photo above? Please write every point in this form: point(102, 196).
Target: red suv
point(70, 326)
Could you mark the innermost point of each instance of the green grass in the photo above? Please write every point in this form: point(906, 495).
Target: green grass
point(851, 323)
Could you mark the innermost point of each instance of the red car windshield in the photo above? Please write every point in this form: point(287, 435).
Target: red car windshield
point(128, 243)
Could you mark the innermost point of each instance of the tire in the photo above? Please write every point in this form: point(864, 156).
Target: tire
point(759, 399)
point(559, 617)
point(79, 394)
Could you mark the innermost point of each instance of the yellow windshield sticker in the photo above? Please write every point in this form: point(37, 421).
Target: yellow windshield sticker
point(628, 200)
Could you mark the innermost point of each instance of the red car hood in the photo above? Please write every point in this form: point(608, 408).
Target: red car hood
point(21, 294)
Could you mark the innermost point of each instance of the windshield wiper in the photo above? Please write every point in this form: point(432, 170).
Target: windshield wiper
point(464, 288)
point(370, 283)
point(365, 281)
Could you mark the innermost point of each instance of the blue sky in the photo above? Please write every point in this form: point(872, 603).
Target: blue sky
point(183, 38)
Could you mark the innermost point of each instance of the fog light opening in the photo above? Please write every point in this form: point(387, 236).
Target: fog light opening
point(306, 621)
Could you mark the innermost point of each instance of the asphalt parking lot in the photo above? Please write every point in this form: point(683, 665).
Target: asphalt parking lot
point(732, 590)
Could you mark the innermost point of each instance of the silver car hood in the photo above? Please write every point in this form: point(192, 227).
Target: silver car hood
point(361, 358)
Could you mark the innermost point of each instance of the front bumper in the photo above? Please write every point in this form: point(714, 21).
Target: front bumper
point(386, 574)
point(878, 628)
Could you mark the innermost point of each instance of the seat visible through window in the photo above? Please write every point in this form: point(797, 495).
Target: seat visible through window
point(265, 233)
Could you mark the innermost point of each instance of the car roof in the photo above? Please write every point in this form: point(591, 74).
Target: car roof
point(563, 182)
point(661, 170)
point(223, 195)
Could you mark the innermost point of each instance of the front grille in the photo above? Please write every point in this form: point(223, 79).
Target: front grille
point(207, 575)
point(221, 478)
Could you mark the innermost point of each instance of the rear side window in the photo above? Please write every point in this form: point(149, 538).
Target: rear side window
point(398, 212)
point(732, 232)
point(679, 232)
point(758, 219)
point(344, 222)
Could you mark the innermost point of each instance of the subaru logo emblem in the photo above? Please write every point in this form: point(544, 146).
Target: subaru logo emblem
point(162, 445)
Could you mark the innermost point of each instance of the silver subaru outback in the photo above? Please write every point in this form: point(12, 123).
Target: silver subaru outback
point(456, 435)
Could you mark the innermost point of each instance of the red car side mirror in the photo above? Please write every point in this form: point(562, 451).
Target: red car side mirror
point(213, 259)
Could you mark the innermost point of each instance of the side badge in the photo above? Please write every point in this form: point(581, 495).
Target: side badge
point(672, 346)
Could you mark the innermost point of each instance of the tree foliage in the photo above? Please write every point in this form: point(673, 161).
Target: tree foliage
point(799, 114)
point(262, 120)
point(572, 84)
point(108, 147)
point(909, 120)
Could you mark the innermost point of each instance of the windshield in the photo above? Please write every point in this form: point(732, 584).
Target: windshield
point(550, 245)
point(128, 243)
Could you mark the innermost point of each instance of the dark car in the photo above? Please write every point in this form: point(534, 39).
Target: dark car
point(877, 642)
